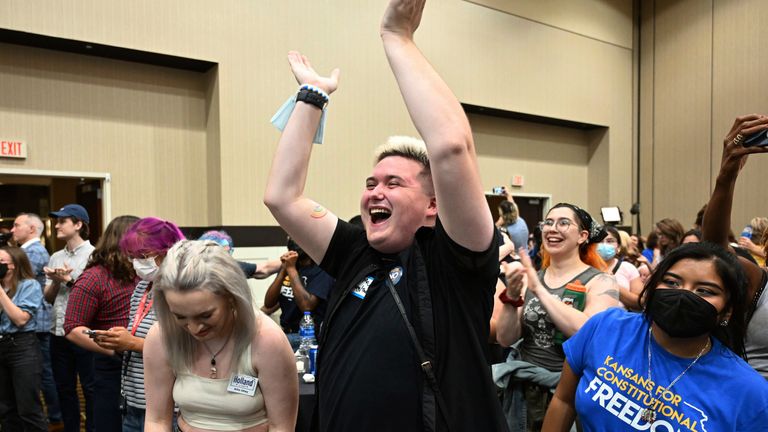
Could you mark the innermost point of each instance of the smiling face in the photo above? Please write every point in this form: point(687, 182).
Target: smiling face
point(700, 278)
point(200, 312)
point(66, 229)
point(395, 205)
point(563, 235)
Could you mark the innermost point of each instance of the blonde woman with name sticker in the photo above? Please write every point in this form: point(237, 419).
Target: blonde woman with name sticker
point(212, 353)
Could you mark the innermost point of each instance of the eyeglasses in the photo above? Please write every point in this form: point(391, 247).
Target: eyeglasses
point(561, 225)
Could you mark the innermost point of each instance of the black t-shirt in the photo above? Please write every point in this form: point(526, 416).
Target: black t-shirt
point(316, 282)
point(369, 376)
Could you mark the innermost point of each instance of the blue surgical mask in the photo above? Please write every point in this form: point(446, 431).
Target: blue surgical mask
point(606, 251)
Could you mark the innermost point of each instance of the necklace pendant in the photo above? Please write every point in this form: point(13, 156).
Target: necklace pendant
point(648, 415)
point(213, 371)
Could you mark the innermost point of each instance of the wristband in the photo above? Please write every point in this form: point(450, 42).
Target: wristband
point(514, 302)
point(311, 97)
point(317, 90)
point(280, 119)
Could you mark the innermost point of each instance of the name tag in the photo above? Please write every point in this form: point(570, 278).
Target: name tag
point(243, 384)
point(362, 288)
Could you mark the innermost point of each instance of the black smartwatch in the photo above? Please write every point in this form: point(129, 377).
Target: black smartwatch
point(70, 283)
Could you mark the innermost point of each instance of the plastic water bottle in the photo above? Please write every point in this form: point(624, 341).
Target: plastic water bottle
point(308, 344)
point(747, 232)
point(307, 330)
point(575, 296)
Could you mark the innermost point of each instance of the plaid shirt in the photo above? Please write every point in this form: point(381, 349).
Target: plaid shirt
point(39, 257)
point(98, 301)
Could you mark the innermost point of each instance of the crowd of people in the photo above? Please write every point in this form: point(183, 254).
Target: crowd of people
point(601, 330)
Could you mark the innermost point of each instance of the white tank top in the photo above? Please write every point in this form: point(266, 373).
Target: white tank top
point(205, 402)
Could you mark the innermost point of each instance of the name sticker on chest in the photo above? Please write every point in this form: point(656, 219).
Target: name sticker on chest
point(362, 288)
point(243, 384)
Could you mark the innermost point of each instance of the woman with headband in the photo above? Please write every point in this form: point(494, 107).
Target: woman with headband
point(571, 286)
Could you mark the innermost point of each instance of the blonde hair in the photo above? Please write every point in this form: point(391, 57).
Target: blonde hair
point(408, 148)
point(202, 265)
point(759, 229)
point(625, 242)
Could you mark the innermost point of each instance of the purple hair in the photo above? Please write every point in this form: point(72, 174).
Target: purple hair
point(150, 237)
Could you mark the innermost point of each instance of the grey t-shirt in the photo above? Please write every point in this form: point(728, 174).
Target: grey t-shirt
point(756, 343)
point(538, 346)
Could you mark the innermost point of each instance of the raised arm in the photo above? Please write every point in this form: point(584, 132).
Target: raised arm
point(308, 223)
point(272, 296)
point(305, 300)
point(717, 216)
point(442, 124)
point(509, 318)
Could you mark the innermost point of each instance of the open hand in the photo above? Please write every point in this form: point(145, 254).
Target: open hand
point(402, 17)
point(305, 74)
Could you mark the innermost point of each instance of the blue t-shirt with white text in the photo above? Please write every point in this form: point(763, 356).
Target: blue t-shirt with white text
point(721, 392)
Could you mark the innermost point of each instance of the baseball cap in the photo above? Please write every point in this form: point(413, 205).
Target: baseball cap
point(72, 210)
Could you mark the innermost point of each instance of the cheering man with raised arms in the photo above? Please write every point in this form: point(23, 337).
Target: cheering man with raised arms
point(402, 343)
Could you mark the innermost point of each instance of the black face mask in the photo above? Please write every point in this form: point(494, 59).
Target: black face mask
point(3, 270)
point(681, 313)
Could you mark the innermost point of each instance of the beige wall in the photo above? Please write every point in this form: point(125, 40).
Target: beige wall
point(701, 67)
point(553, 160)
point(145, 125)
point(567, 63)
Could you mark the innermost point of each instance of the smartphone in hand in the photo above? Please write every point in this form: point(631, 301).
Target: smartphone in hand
point(759, 139)
point(91, 333)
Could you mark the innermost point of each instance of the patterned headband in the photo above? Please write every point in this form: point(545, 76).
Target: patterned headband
point(596, 231)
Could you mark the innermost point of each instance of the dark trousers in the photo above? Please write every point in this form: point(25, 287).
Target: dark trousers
point(106, 393)
point(70, 361)
point(48, 383)
point(20, 370)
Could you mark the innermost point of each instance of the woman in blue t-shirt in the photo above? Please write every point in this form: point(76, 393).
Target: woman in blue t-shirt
point(675, 367)
point(21, 360)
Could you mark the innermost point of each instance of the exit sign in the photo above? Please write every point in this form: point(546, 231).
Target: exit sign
point(13, 149)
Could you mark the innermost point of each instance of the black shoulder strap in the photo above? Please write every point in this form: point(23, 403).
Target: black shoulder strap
point(616, 267)
point(123, 375)
point(432, 390)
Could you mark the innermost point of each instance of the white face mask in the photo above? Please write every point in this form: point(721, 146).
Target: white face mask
point(146, 268)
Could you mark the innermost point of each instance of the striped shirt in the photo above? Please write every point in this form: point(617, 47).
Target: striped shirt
point(133, 379)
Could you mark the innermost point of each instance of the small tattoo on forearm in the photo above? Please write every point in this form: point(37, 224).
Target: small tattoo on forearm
point(318, 212)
